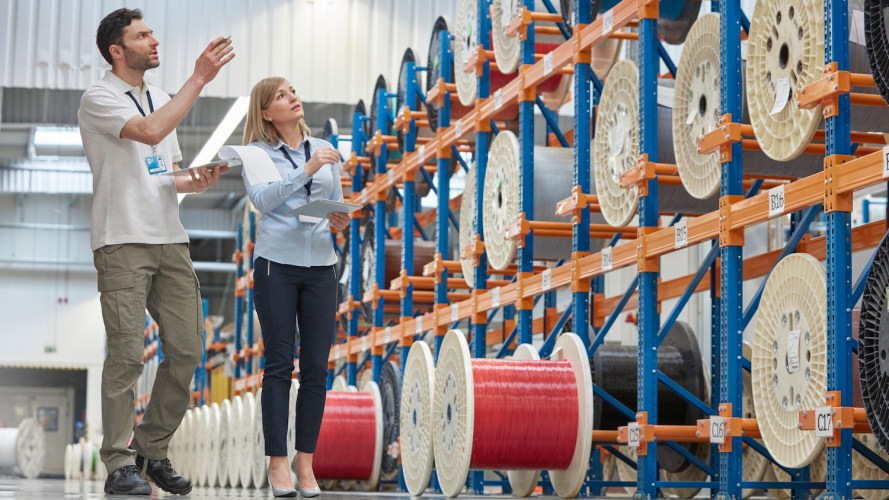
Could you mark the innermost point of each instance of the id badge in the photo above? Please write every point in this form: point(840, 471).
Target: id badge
point(155, 164)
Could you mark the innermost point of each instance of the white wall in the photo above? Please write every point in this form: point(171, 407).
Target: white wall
point(332, 50)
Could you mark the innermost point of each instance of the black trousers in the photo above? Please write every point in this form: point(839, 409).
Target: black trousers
point(284, 296)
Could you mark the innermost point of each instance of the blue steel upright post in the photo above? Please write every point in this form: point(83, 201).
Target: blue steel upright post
point(383, 120)
point(250, 304)
point(239, 300)
point(839, 255)
point(444, 189)
point(358, 141)
point(580, 237)
point(731, 253)
point(526, 183)
point(649, 318)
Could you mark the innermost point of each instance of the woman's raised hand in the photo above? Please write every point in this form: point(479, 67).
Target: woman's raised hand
point(320, 158)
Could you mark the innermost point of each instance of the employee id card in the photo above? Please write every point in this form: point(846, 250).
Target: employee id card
point(155, 164)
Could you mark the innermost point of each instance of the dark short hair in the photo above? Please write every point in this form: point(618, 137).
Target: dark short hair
point(110, 30)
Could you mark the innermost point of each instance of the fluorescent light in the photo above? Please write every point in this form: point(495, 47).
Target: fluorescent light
point(55, 142)
point(228, 125)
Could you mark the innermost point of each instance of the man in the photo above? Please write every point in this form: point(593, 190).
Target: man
point(140, 248)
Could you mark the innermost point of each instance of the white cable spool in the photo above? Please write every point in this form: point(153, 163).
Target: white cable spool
point(754, 465)
point(605, 53)
point(416, 418)
point(609, 466)
point(260, 463)
point(88, 453)
point(225, 412)
point(467, 225)
point(523, 482)
point(692, 473)
point(235, 442)
point(789, 364)
point(69, 470)
point(76, 457)
point(248, 423)
point(508, 49)
point(697, 109)
point(454, 414)
point(366, 375)
point(615, 149)
point(194, 444)
point(465, 44)
point(213, 445)
point(864, 469)
point(553, 180)
point(204, 437)
point(186, 454)
point(291, 422)
point(23, 448)
point(100, 471)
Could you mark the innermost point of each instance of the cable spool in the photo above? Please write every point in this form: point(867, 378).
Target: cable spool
point(234, 453)
point(696, 111)
point(789, 55)
point(390, 399)
point(817, 474)
point(401, 100)
point(68, 469)
point(86, 462)
point(248, 425)
point(616, 150)
point(873, 344)
point(864, 469)
point(350, 444)
point(225, 418)
point(259, 465)
point(291, 422)
point(198, 444)
point(553, 179)
point(604, 54)
point(627, 473)
point(876, 34)
point(181, 443)
point(789, 364)
point(416, 418)
point(754, 465)
point(553, 90)
point(424, 252)
point(339, 385)
point(480, 407)
point(394, 155)
point(433, 73)
point(204, 437)
point(615, 370)
point(213, 425)
point(467, 225)
point(329, 130)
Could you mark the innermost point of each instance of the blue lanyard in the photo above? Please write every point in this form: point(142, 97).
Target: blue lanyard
point(138, 106)
point(308, 151)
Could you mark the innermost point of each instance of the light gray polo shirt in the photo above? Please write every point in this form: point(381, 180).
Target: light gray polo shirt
point(129, 204)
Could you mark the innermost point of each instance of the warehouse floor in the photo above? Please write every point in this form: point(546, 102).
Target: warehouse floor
point(53, 489)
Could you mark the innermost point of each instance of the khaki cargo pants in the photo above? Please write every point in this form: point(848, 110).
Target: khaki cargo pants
point(133, 277)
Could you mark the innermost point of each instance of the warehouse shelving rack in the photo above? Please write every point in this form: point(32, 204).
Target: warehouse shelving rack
point(846, 171)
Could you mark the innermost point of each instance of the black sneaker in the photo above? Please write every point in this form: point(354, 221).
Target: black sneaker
point(125, 480)
point(161, 473)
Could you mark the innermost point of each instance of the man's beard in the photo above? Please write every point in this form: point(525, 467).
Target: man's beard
point(139, 62)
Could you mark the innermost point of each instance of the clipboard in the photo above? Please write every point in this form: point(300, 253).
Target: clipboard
point(320, 208)
point(212, 164)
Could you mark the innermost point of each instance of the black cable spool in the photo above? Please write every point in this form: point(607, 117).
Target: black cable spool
point(615, 370)
point(390, 394)
point(393, 155)
point(329, 130)
point(401, 97)
point(876, 35)
point(361, 109)
point(873, 346)
point(433, 68)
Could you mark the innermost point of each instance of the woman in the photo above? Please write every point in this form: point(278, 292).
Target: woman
point(294, 276)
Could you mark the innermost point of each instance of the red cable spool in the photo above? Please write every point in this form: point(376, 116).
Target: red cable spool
point(350, 443)
point(521, 414)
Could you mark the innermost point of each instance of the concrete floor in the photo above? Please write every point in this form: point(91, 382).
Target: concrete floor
point(53, 489)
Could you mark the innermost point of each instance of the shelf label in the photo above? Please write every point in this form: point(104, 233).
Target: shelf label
point(782, 95)
point(886, 162)
point(419, 321)
point(391, 174)
point(793, 351)
point(606, 259)
point(363, 343)
point(458, 128)
point(336, 352)
point(547, 279)
point(455, 312)
point(824, 422)
point(681, 231)
point(776, 201)
point(495, 298)
point(498, 99)
point(388, 334)
point(633, 432)
point(744, 49)
point(608, 22)
point(364, 196)
point(547, 64)
point(422, 154)
point(717, 430)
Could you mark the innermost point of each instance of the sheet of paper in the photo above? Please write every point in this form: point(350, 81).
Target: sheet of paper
point(259, 167)
point(320, 208)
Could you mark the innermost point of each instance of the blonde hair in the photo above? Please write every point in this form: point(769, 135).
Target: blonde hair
point(261, 96)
